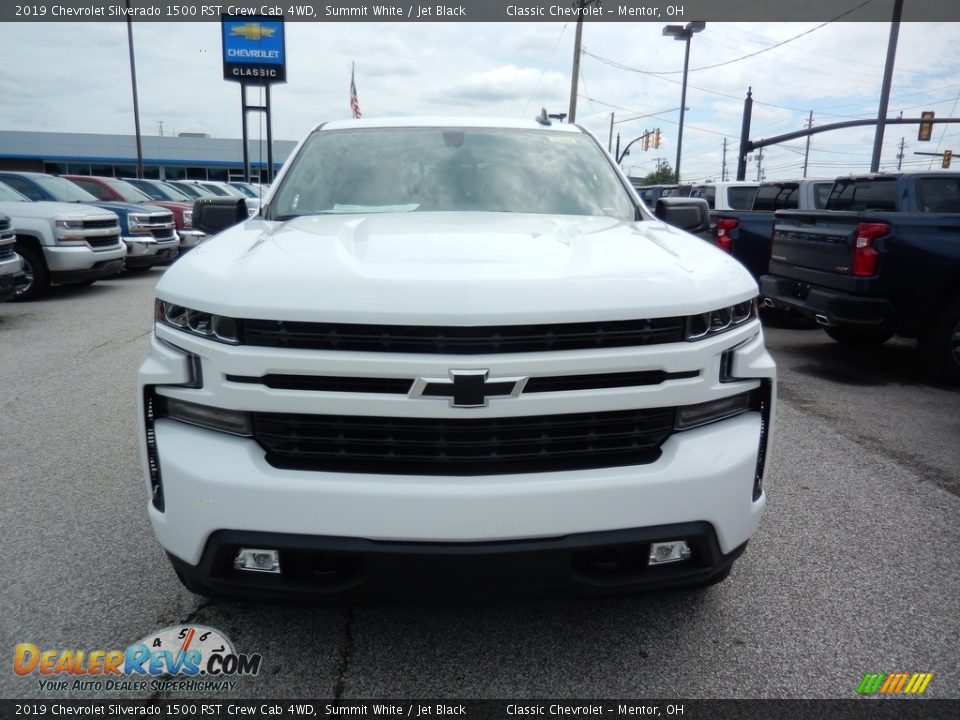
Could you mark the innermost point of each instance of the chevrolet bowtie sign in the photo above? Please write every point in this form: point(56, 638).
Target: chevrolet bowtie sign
point(467, 388)
point(253, 50)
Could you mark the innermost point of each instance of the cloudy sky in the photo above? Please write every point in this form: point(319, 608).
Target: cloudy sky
point(75, 78)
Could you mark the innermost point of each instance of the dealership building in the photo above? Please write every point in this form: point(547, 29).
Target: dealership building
point(187, 156)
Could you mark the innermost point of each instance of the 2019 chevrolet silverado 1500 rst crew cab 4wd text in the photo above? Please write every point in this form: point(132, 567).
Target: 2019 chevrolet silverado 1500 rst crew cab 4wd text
point(457, 354)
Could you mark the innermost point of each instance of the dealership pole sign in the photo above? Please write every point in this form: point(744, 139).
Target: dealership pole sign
point(253, 49)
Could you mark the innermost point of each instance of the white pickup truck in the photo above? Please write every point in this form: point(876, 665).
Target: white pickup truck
point(453, 356)
point(10, 263)
point(61, 242)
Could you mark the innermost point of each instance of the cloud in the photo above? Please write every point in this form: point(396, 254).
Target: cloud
point(499, 84)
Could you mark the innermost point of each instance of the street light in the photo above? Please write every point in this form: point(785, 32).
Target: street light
point(683, 32)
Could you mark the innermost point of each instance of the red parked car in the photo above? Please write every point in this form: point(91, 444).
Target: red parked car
point(109, 188)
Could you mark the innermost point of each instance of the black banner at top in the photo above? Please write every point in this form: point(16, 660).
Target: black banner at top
point(676, 11)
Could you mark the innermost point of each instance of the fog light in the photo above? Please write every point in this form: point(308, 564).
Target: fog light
point(257, 560)
point(669, 552)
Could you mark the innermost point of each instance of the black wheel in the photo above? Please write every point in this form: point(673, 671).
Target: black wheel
point(858, 338)
point(34, 281)
point(940, 345)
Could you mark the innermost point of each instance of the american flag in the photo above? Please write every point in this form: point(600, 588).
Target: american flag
point(354, 102)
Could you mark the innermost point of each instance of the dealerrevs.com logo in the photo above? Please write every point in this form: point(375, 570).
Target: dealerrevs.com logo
point(181, 657)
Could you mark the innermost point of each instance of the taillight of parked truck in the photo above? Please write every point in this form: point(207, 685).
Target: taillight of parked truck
point(864, 254)
point(724, 226)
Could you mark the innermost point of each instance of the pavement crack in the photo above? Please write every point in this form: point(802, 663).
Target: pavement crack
point(346, 652)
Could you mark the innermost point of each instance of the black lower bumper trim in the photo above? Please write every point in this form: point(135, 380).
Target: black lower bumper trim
point(7, 287)
point(336, 568)
point(162, 257)
point(102, 269)
point(837, 308)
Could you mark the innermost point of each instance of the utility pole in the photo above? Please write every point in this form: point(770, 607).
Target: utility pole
point(723, 171)
point(806, 154)
point(580, 6)
point(760, 165)
point(610, 139)
point(133, 83)
point(885, 88)
point(903, 143)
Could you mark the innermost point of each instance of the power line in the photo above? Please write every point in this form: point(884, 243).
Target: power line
point(543, 72)
point(749, 55)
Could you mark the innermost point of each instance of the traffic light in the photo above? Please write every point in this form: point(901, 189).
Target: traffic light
point(947, 155)
point(646, 141)
point(656, 138)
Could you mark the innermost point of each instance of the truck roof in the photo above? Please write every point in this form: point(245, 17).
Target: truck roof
point(465, 122)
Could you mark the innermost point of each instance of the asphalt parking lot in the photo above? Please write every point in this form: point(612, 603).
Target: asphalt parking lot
point(854, 570)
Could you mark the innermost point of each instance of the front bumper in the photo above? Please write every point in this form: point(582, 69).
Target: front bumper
point(354, 568)
point(191, 238)
point(826, 306)
point(144, 252)
point(81, 262)
point(216, 485)
point(9, 269)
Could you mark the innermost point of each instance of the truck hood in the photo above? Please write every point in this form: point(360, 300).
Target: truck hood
point(124, 208)
point(456, 269)
point(61, 211)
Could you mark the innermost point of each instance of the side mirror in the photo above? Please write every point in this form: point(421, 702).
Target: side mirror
point(690, 214)
point(212, 215)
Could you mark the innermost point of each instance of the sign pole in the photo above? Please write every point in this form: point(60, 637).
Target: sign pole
point(246, 147)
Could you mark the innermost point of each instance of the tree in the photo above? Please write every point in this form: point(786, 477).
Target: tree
point(663, 175)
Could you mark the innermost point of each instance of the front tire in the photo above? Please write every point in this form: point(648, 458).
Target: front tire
point(858, 338)
point(940, 346)
point(34, 281)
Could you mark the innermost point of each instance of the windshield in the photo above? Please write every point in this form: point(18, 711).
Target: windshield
point(245, 189)
point(166, 191)
point(451, 169)
point(192, 190)
point(128, 192)
point(8, 194)
point(64, 190)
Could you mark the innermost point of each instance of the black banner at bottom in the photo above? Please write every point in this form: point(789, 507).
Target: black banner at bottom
point(859, 709)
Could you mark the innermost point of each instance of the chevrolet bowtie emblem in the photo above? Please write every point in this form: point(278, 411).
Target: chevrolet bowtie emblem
point(467, 388)
point(253, 31)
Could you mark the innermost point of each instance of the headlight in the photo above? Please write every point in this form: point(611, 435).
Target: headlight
point(71, 224)
point(138, 223)
point(196, 322)
point(188, 218)
point(718, 321)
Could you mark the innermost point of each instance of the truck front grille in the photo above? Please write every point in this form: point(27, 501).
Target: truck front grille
point(100, 224)
point(446, 446)
point(6, 252)
point(103, 241)
point(462, 340)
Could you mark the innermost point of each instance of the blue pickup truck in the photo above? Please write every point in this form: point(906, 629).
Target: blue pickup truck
point(147, 230)
point(746, 234)
point(883, 259)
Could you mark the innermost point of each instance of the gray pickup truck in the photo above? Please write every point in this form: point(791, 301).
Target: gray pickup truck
point(10, 262)
point(61, 242)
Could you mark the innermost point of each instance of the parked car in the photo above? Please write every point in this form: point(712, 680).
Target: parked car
point(190, 189)
point(251, 190)
point(61, 243)
point(453, 356)
point(147, 230)
point(222, 189)
point(747, 234)
point(10, 263)
point(883, 258)
point(108, 188)
point(726, 195)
